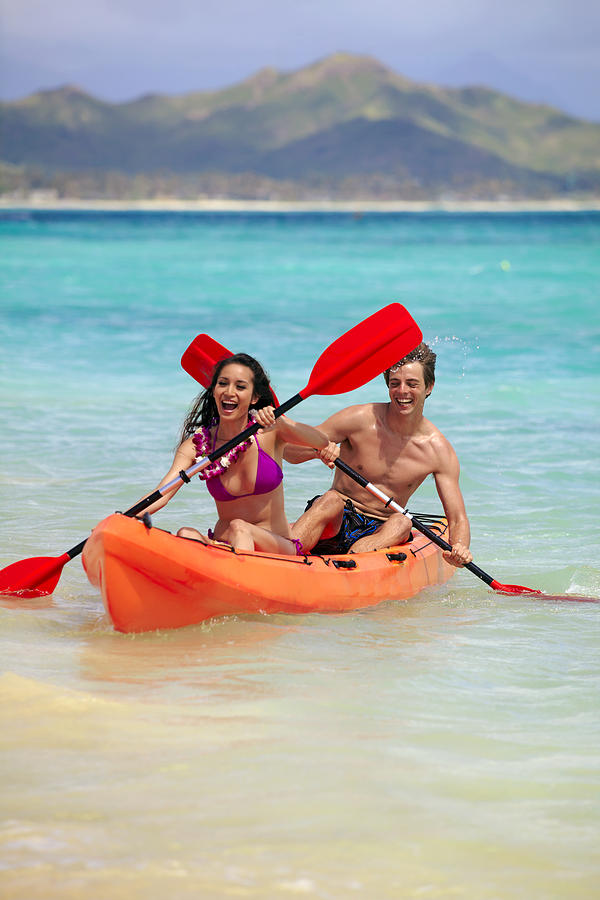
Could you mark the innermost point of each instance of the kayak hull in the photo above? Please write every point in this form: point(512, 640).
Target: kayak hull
point(149, 579)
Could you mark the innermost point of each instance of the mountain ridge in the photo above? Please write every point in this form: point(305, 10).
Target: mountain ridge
point(344, 116)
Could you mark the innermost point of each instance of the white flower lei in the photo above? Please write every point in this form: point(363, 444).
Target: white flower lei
point(202, 443)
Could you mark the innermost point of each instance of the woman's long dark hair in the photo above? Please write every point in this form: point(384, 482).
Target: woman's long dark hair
point(203, 411)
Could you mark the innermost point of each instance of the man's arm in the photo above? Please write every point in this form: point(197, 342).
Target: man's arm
point(448, 488)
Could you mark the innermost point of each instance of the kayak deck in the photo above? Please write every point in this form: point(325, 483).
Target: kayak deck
point(151, 579)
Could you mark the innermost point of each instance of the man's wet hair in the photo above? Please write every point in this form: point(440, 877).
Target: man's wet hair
point(423, 354)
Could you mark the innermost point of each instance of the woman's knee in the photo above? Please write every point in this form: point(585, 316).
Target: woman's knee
point(237, 528)
point(187, 532)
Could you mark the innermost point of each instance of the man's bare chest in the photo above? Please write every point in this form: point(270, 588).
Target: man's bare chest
point(395, 460)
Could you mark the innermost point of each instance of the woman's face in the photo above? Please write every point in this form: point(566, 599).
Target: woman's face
point(234, 391)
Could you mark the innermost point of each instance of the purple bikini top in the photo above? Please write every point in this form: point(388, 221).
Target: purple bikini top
point(268, 477)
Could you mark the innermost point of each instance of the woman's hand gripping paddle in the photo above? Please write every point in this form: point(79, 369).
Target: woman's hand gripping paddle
point(199, 361)
point(353, 359)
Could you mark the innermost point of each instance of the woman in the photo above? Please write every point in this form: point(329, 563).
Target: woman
point(246, 484)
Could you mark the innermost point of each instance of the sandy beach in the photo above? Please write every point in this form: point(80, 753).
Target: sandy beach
point(44, 201)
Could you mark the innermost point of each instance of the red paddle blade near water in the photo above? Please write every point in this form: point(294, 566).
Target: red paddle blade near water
point(34, 577)
point(519, 589)
point(513, 588)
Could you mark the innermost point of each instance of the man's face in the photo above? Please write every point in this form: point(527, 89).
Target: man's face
point(407, 388)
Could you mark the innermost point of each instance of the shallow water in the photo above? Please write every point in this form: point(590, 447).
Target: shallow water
point(441, 747)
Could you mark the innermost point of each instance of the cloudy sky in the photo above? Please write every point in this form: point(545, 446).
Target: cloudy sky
point(539, 50)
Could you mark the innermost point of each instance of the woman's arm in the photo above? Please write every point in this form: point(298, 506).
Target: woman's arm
point(287, 431)
point(294, 453)
point(337, 427)
point(290, 432)
point(184, 458)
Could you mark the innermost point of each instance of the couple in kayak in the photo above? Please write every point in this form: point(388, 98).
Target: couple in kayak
point(392, 444)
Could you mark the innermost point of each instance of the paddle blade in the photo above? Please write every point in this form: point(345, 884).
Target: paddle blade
point(201, 357)
point(34, 577)
point(364, 352)
point(513, 588)
point(561, 598)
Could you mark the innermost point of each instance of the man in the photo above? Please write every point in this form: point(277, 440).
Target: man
point(395, 447)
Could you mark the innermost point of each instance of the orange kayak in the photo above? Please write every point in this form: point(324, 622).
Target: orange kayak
point(151, 579)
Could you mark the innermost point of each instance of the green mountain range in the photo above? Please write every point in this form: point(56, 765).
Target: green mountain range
point(344, 123)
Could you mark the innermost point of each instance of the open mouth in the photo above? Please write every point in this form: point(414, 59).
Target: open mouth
point(228, 405)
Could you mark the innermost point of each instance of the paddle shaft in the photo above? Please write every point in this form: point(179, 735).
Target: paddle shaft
point(389, 501)
point(187, 474)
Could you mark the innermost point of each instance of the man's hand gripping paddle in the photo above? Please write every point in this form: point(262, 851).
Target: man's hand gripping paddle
point(199, 361)
point(353, 359)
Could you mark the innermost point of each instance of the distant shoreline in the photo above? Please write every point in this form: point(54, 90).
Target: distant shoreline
point(42, 204)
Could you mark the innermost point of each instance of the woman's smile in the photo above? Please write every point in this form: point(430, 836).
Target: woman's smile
point(234, 390)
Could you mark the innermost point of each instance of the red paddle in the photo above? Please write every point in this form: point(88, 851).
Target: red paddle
point(353, 359)
point(198, 363)
point(201, 357)
point(36, 576)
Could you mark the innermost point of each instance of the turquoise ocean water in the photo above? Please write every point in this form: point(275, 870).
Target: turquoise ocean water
point(444, 747)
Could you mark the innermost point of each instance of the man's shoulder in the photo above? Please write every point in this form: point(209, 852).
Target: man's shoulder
point(437, 441)
point(360, 412)
point(353, 422)
point(370, 410)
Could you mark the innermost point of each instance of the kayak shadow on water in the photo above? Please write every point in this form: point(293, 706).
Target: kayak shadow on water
point(243, 647)
point(13, 601)
point(154, 657)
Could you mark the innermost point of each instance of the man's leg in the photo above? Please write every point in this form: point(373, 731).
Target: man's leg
point(322, 519)
point(394, 530)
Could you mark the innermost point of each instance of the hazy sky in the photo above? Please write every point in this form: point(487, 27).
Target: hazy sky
point(541, 50)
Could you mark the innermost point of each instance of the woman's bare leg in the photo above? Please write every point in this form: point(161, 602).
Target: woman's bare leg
point(245, 536)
